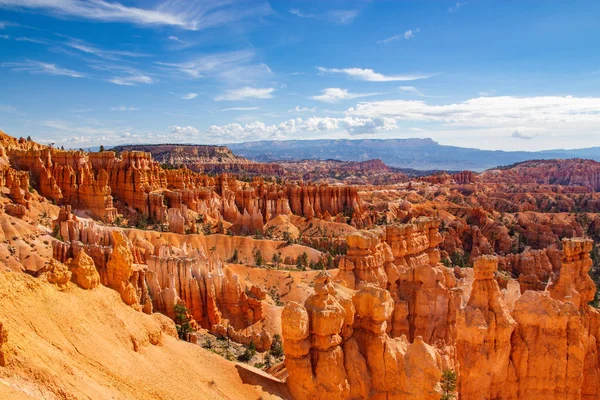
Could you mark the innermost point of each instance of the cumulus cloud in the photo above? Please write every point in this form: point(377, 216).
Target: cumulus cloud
point(189, 96)
point(246, 92)
point(366, 74)
point(333, 95)
point(521, 135)
point(292, 127)
point(501, 110)
point(303, 109)
point(186, 130)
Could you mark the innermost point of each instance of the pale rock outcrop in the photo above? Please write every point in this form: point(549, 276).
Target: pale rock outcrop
point(365, 260)
point(56, 273)
point(120, 268)
point(84, 271)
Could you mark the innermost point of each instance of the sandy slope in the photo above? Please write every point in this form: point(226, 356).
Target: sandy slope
point(80, 344)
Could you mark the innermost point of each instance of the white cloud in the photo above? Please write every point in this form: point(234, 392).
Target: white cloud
point(337, 16)
point(456, 6)
point(186, 15)
point(333, 95)
point(189, 96)
point(175, 38)
point(187, 130)
point(240, 109)
point(303, 109)
point(487, 93)
point(88, 48)
point(366, 74)
point(229, 67)
point(524, 132)
point(292, 127)
point(131, 80)
point(522, 135)
point(38, 67)
point(409, 34)
point(246, 92)
point(9, 110)
point(411, 90)
point(344, 16)
point(124, 108)
point(298, 13)
point(30, 40)
point(501, 110)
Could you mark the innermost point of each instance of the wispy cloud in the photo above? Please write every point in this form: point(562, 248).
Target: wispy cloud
point(232, 67)
point(333, 95)
point(456, 6)
point(344, 16)
point(124, 108)
point(179, 44)
point(6, 24)
point(191, 15)
point(132, 80)
point(409, 34)
point(412, 90)
point(246, 92)
point(38, 67)
point(189, 96)
point(30, 40)
point(88, 48)
point(298, 13)
point(337, 16)
point(240, 109)
point(487, 93)
point(366, 74)
point(7, 109)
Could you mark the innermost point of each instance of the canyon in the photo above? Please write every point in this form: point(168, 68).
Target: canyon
point(167, 271)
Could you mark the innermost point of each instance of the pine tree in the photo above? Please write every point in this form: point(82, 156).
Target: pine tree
point(448, 384)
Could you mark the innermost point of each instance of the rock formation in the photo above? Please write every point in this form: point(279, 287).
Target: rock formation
point(484, 329)
point(84, 271)
point(337, 347)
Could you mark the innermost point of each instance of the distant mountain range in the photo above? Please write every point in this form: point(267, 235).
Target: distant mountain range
point(418, 154)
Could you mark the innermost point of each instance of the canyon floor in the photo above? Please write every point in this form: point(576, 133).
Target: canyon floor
point(186, 272)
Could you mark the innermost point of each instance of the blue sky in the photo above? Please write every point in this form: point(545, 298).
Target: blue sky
point(488, 74)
